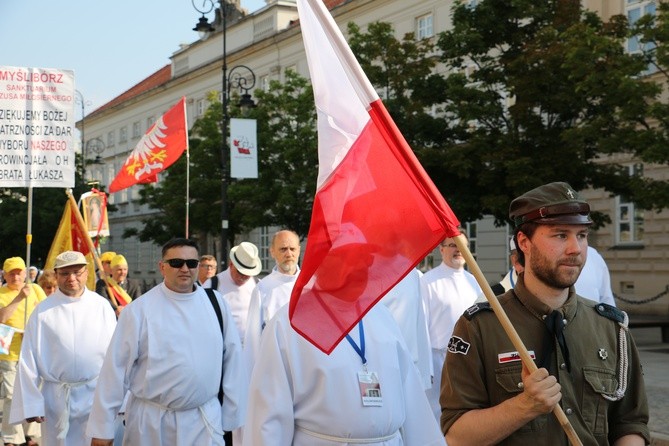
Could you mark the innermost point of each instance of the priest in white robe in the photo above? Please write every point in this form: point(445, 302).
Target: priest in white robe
point(169, 353)
point(302, 397)
point(448, 290)
point(405, 303)
point(62, 352)
point(272, 292)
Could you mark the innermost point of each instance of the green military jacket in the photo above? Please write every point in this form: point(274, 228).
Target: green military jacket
point(482, 369)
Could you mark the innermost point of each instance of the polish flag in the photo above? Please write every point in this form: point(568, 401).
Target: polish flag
point(376, 213)
point(159, 148)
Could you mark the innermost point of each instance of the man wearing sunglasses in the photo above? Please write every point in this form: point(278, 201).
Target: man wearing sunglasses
point(168, 355)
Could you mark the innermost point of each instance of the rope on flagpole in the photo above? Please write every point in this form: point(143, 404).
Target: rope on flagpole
point(510, 330)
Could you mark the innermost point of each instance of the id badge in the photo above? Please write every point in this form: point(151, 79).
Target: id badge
point(370, 388)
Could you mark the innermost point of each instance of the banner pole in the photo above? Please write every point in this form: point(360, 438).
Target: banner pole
point(89, 243)
point(528, 362)
point(29, 241)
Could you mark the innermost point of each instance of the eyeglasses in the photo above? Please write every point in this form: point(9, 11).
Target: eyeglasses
point(77, 274)
point(179, 263)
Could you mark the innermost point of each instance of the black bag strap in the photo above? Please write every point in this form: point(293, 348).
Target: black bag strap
point(219, 316)
point(214, 283)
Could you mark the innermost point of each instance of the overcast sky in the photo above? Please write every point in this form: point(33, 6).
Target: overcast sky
point(111, 46)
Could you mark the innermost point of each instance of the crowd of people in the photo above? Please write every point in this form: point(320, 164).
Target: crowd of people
point(210, 358)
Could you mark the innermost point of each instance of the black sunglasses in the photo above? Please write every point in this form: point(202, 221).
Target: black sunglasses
point(178, 263)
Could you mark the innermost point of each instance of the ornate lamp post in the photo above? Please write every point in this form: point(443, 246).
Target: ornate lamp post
point(240, 77)
point(79, 99)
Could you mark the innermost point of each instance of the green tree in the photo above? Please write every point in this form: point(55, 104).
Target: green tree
point(403, 71)
point(283, 194)
point(47, 209)
point(287, 160)
point(544, 91)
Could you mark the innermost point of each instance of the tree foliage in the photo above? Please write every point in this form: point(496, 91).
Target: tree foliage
point(47, 209)
point(539, 92)
point(287, 168)
point(531, 92)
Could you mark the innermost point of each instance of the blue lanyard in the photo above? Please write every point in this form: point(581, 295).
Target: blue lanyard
point(359, 350)
point(513, 285)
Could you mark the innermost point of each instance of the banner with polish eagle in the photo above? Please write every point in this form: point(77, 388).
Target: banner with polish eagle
point(159, 148)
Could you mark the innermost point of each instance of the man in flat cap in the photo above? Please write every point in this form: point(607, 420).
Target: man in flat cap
point(62, 352)
point(17, 300)
point(587, 360)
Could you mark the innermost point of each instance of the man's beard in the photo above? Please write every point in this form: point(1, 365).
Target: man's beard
point(549, 273)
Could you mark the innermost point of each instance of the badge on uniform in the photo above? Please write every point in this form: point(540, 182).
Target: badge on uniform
point(370, 388)
point(458, 345)
point(512, 357)
point(603, 354)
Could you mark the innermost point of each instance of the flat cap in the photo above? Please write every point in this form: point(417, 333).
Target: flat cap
point(550, 204)
point(70, 258)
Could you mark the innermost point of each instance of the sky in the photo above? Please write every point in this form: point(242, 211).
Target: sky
point(110, 45)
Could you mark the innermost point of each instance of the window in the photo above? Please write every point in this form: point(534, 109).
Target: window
point(110, 139)
point(110, 175)
point(263, 83)
point(629, 218)
point(123, 135)
point(149, 122)
point(201, 107)
point(636, 9)
point(471, 230)
point(136, 129)
point(424, 28)
point(263, 248)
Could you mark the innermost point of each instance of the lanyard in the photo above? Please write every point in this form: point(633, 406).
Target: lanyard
point(513, 284)
point(359, 350)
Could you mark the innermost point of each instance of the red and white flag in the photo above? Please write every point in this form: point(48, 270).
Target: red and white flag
point(376, 213)
point(158, 149)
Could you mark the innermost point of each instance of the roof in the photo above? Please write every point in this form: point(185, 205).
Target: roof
point(156, 79)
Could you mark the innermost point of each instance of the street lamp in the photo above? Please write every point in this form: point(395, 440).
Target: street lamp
point(80, 100)
point(241, 78)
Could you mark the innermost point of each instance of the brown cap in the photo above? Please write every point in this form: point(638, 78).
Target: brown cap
point(550, 204)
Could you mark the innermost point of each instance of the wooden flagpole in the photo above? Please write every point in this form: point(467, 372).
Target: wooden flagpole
point(89, 243)
point(461, 242)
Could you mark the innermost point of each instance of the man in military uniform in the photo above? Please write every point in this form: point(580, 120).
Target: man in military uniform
point(587, 361)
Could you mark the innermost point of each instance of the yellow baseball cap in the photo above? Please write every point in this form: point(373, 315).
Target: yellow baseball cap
point(13, 263)
point(107, 256)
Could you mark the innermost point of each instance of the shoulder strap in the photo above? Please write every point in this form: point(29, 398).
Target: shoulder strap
point(219, 316)
point(214, 283)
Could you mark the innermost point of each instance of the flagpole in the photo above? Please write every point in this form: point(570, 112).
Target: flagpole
point(187, 172)
point(461, 242)
point(89, 243)
point(29, 241)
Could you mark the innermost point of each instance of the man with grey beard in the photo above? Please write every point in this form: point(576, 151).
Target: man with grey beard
point(273, 291)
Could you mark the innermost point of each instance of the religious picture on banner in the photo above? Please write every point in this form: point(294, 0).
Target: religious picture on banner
point(6, 335)
point(95, 214)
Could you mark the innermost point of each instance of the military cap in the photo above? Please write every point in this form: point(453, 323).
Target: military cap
point(550, 204)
